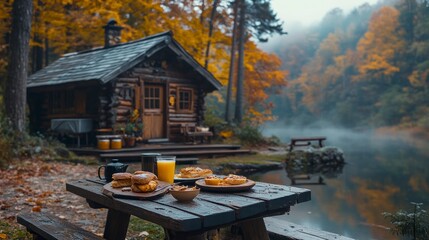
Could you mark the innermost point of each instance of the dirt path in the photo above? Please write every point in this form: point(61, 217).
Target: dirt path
point(34, 185)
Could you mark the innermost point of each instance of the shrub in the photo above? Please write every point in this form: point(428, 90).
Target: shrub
point(22, 145)
point(414, 224)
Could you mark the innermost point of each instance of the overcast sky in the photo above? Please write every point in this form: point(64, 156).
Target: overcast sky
point(311, 11)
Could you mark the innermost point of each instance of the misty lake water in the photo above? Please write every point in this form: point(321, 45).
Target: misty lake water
point(382, 173)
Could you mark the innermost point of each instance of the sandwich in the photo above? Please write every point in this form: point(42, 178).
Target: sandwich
point(121, 180)
point(144, 182)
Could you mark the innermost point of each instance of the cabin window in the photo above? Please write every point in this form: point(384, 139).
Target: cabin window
point(185, 98)
point(152, 97)
point(62, 102)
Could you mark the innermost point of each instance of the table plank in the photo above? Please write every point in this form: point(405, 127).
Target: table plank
point(244, 207)
point(166, 216)
point(274, 195)
point(89, 190)
point(210, 213)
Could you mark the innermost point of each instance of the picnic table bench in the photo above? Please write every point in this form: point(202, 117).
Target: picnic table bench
point(297, 142)
point(47, 226)
point(194, 133)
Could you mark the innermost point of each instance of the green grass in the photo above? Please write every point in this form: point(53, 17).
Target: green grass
point(13, 231)
point(138, 226)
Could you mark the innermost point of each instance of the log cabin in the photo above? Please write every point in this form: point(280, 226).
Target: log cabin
point(100, 87)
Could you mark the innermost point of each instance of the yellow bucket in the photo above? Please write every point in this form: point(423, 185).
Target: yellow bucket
point(116, 143)
point(103, 144)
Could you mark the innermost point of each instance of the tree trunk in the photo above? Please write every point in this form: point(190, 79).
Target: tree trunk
point(16, 83)
point(231, 66)
point(212, 16)
point(240, 74)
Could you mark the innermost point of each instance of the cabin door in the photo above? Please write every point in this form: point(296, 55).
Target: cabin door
point(154, 111)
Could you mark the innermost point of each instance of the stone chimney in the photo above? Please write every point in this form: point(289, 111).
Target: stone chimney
point(112, 33)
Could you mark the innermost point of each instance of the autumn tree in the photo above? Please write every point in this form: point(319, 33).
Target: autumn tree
point(16, 84)
point(381, 45)
point(232, 67)
point(257, 17)
point(263, 77)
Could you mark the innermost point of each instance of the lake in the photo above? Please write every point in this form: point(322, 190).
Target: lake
point(382, 173)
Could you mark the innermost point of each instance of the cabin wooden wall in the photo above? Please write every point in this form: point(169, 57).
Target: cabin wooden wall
point(122, 99)
point(40, 105)
point(128, 94)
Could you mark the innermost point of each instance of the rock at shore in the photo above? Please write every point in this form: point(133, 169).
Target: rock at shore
point(327, 161)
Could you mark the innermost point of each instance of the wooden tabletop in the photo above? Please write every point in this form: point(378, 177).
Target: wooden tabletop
point(207, 211)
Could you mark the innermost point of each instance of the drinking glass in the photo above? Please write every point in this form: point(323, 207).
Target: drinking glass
point(166, 166)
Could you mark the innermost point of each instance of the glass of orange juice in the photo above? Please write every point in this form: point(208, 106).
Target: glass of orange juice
point(166, 166)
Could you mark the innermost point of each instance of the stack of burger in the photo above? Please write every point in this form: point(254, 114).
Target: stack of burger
point(140, 181)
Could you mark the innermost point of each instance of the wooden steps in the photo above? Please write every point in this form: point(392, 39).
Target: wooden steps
point(279, 229)
point(142, 148)
point(178, 153)
point(183, 152)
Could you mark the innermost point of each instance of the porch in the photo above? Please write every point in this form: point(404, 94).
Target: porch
point(183, 151)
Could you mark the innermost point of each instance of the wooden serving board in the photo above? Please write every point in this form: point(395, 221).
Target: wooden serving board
point(118, 193)
point(225, 188)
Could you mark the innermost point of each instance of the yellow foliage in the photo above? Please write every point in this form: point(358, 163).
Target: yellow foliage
point(380, 44)
point(419, 78)
point(262, 74)
point(226, 134)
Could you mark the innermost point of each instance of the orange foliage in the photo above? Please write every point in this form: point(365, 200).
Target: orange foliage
point(262, 74)
point(380, 44)
point(316, 76)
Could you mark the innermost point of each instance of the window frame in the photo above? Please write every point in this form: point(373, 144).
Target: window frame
point(152, 100)
point(190, 101)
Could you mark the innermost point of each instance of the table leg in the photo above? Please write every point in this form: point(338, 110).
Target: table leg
point(254, 229)
point(116, 225)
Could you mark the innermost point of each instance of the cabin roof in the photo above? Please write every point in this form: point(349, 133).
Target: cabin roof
point(105, 64)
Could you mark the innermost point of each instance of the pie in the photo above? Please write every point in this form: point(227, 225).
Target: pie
point(213, 180)
point(232, 179)
point(194, 172)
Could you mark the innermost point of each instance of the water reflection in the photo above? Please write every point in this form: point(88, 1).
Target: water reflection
point(312, 165)
point(383, 173)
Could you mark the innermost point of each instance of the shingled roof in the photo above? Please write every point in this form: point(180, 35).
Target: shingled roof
point(104, 64)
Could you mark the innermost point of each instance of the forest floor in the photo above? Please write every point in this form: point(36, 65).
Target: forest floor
point(36, 185)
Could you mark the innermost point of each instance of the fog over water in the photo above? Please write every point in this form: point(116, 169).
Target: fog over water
point(383, 173)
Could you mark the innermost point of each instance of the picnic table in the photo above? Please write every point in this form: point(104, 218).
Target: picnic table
point(191, 220)
point(295, 142)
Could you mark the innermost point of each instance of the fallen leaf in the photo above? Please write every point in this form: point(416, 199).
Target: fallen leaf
point(3, 236)
point(36, 208)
